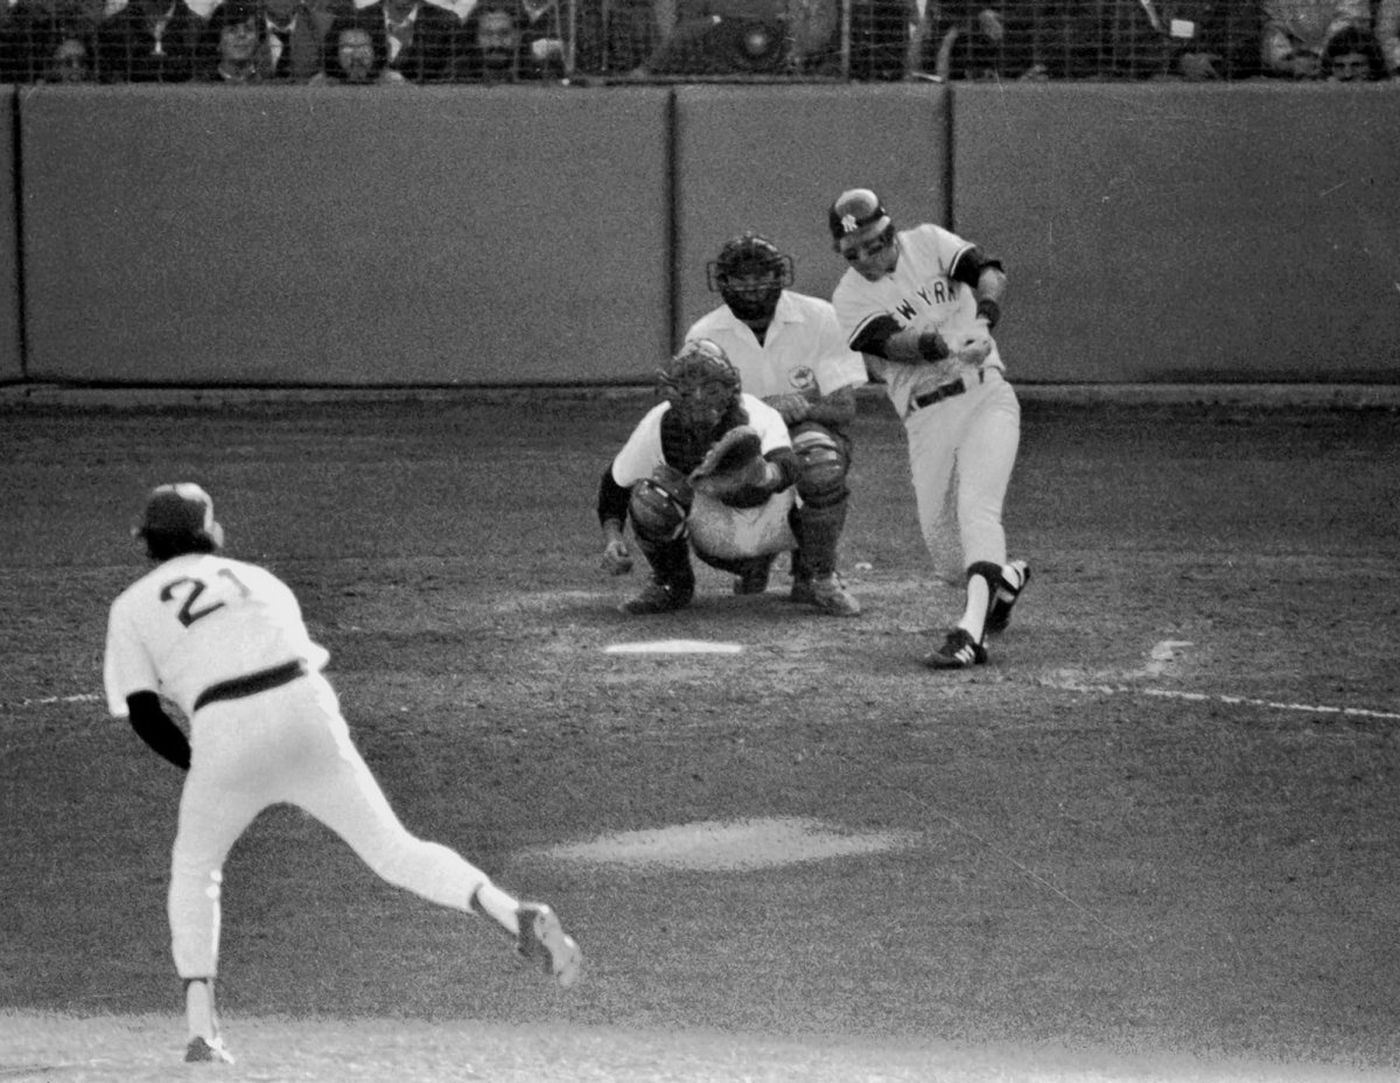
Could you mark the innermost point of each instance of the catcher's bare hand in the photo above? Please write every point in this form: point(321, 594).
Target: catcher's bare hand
point(794, 407)
point(617, 559)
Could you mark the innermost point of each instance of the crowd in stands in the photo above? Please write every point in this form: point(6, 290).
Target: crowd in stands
point(446, 41)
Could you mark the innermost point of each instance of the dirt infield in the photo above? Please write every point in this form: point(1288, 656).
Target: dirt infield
point(1154, 839)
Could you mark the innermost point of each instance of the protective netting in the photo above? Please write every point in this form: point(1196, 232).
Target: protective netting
point(298, 41)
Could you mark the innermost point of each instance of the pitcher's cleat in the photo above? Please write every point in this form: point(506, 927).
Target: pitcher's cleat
point(206, 1051)
point(1004, 596)
point(543, 942)
point(959, 651)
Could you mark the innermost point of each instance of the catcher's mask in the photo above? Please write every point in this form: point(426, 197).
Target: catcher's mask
point(750, 273)
point(700, 383)
point(862, 232)
point(177, 519)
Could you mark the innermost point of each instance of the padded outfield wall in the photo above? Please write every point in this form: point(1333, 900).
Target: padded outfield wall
point(426, 235)
point(1188, 233)
point(329, 235)
point(11, 367)
point(469, 235)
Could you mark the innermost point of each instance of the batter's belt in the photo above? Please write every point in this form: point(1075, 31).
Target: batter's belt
point(252, 683)
point(944, 391)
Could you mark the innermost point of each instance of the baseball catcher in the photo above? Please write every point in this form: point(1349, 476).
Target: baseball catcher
point(790, 352)
point(708, 468)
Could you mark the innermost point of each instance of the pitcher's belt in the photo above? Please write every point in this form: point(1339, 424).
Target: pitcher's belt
point(252, 683)
point(944, 391)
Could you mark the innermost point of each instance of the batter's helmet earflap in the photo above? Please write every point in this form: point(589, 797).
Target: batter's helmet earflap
point(179, 518)
point(857, 215)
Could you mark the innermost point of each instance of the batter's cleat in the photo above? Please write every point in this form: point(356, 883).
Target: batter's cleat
point(802, 592)
point(207, 1051)
point(660, 596)
point(959, 651)
point(754, 578)
point(543, 942)
point(1004, 596)
point(830, 595)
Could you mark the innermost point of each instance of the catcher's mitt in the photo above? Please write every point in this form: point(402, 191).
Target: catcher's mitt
point(734, 468)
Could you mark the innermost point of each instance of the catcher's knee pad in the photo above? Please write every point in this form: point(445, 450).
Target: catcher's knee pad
point(659, 506)
point(821, 476)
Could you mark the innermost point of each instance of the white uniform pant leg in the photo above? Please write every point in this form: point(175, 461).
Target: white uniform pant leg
point(337, 787)
point(933, 463)
point(986, 458)
point(223, 793)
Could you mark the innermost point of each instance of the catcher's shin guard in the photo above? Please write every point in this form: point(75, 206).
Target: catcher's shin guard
point(670, 561)
point(821, 467)
point(818, 521)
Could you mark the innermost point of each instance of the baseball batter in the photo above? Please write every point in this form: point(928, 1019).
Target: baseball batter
point(653, 481)
point(921, 304)
point(790, 352)
point(225, 642)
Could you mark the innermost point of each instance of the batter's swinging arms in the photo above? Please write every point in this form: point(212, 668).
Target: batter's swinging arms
point(225, 641)
point(921, 304)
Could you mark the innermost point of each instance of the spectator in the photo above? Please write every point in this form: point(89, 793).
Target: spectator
point(615, 37)
point(355, 53)
point(1388, 34)
point(294, 36)
point(880, 36)
point(422, 39)
point(149, 41)
point(969, 39)
point(1353, 56)
point(72, 59)
point(233, 38)
point(1195, 40)
point(542, 42)
point(723, 37)
point(1296, 33)
point(32, 30)
point(491, 52)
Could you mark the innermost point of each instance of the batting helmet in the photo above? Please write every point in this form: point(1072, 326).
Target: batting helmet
point(750, 273)
point(700, 383)
point(857, 216)
point(177, 519)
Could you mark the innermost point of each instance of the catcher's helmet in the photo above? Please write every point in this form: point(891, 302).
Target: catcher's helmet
point(700, 383)
point(750, 273)
point(856, 216)
point(177, 519)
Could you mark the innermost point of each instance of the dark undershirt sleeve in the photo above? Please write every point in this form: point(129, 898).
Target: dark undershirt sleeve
point(158, 729)
point(612, 499)
point(874, 335)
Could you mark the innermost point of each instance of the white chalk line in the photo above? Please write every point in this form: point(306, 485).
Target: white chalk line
point(49, 701)
point(1217, 697)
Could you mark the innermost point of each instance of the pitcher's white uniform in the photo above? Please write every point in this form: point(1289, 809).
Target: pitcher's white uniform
point(962, 447)
point(198, 620)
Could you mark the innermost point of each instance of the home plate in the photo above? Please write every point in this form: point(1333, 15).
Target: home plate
point(674, 646)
